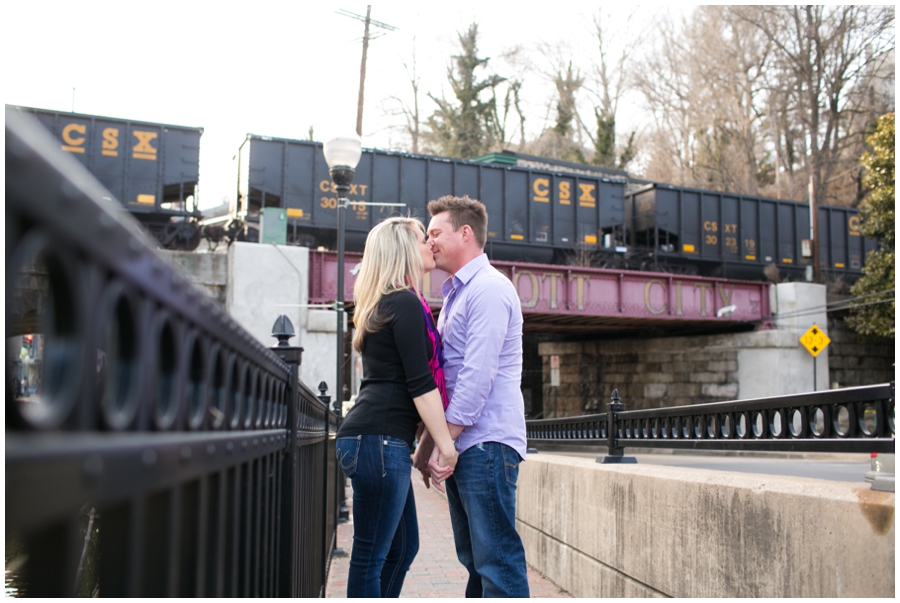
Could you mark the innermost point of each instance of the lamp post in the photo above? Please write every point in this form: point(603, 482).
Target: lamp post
point(342, 154)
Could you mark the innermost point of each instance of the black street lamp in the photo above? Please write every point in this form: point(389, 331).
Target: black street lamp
point(342, 154)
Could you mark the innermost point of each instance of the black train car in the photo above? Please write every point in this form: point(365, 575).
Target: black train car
point(151, 168)
point(714, 233)
point(533, 215)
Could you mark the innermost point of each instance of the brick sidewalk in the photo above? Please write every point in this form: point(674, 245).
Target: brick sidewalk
point(435, 572)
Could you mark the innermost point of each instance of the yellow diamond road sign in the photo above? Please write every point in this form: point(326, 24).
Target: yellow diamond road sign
point(815, 340)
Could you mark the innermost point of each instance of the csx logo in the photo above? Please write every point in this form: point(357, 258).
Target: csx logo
point(74, 136)
point(541, 189)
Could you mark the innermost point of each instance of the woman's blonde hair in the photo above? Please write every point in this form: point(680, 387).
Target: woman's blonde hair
point(391, 262)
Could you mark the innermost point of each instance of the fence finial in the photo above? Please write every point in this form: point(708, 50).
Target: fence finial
point(283, 330)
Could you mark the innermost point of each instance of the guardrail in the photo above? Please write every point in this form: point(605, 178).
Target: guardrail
point(153, 447)
point(856, 419)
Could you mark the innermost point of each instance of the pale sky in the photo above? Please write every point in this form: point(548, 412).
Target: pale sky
point(273, 68)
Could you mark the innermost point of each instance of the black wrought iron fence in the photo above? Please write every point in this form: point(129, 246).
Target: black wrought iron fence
point(153, 447)
point(857, 419)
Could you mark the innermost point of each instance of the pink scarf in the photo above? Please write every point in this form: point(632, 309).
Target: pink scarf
point(436, 362)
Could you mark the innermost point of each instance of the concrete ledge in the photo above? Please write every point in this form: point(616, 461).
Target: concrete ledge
point(574, 571)
point(643, 530)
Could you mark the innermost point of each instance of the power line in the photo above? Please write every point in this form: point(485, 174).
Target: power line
point(844, 304)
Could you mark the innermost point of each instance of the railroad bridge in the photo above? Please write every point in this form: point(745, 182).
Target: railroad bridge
point(562, 298)
point(165, 451)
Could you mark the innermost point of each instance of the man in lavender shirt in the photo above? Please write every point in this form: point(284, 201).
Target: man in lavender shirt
point(481, 328)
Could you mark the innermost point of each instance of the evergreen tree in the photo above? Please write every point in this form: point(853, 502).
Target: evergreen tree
point(605, 142)
point(467, 128)
point(877, 213)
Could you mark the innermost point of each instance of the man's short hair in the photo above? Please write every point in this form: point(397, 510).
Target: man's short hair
point(463, 210)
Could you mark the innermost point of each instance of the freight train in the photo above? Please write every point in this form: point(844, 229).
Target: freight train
point(150, 168)
point(722, 234)
point(552, 212)
point(540, 210)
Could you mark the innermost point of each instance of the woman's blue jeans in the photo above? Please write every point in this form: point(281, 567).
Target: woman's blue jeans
point(385, 528)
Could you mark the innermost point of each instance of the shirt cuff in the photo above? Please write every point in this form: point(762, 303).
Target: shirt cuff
point(460, 418)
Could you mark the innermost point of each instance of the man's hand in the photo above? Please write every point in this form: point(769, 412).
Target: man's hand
point(439, 473)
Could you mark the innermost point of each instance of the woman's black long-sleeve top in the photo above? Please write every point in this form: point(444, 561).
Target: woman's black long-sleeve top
point(395, 370)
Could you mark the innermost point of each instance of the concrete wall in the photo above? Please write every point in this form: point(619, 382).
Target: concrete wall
point(207, 271)
point(667, 371)
point(265, 281)
point(646, 531)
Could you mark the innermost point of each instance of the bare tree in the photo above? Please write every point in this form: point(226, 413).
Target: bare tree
point(407, 108)
point(765, 99)
point(510, 108)
point(616, 46)
point(562, 139)
point(664, 79)
point(823, 54)
point(730, 59)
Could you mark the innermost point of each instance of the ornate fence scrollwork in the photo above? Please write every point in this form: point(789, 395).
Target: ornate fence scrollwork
point(153, 447)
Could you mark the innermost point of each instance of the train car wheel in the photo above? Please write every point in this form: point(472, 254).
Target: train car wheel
point(184, 235)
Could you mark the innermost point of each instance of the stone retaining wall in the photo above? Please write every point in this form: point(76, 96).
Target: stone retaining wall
point(856, 359)
point(682, 371)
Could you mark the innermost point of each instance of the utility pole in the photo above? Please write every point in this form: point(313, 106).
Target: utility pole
point(814, 227)
point(362, 70)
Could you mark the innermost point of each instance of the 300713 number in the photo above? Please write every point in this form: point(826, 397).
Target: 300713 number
point(332, 203)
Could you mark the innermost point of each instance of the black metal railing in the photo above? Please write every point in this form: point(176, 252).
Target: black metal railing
point(857, 419)
point(153, 447)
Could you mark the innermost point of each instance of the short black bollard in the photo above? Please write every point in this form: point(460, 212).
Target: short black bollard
point(615, 453)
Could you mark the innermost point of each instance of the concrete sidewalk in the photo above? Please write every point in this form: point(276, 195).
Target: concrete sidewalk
point(435, 572)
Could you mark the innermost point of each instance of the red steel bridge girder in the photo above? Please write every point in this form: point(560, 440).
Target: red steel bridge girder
point(570, 295)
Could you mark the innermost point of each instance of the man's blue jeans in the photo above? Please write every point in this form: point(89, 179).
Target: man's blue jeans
point(385, 528)
point(482, 497)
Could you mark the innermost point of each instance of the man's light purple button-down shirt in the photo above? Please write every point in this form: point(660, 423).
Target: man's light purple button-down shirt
point(481, 328)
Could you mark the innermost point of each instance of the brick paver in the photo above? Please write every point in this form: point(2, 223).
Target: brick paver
point(435, 572)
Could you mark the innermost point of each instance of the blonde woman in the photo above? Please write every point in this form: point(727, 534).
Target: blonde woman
point(397, 396)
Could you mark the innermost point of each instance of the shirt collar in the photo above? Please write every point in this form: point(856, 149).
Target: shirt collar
point(464, 274)
point(472, 267)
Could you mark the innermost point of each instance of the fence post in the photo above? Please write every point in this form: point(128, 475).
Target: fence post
point(615, 454)
point(287, 575)
point(343, 511)
point(325, 510)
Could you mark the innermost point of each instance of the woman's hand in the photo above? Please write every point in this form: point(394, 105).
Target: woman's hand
point(441, 465)
point(442, 459)
point(421, 456)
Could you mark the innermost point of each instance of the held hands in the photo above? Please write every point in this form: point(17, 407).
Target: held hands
point(440, 466)
point(434, 466)
point(420, 458)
